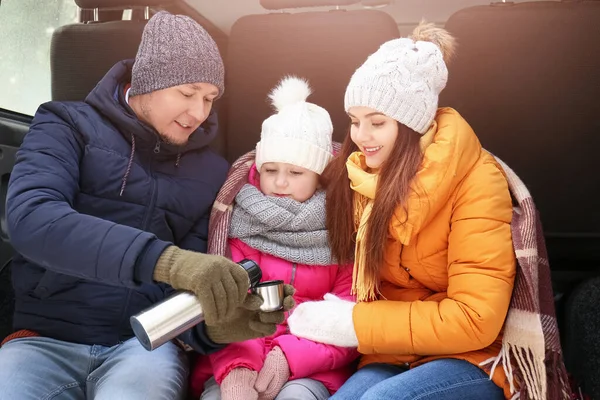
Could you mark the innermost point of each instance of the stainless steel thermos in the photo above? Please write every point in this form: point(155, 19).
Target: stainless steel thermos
point(174, 315)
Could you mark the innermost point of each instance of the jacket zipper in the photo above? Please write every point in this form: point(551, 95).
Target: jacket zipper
point(145, 224)
point(292, 280)
point(153, 198)
point(294, 266)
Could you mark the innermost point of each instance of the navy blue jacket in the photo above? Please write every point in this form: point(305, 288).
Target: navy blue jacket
point(89, 215)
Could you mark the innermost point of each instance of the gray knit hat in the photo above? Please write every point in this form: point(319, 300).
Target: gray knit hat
point(175, 50)
point(403, 79)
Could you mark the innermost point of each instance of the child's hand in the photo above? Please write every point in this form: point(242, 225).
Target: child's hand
point(273, 375)
point(239, 385)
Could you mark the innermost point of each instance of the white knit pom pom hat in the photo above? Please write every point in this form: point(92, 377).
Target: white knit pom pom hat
point(299, 133)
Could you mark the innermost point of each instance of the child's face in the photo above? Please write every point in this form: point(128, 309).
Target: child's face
point(287, 180)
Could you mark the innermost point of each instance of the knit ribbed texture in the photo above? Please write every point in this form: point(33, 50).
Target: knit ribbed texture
point(282, 227)
point(273, 375)
point(239, 385)
point(402, 80)
point(299, 133)
point(175, 50)
point(162, 270)
point(23, 333)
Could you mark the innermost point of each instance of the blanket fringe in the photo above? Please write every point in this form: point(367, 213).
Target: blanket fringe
point(530, 372)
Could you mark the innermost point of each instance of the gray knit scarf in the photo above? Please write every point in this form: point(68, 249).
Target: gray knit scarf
point(282, 227)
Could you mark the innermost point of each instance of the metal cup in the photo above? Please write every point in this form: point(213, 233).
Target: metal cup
point(271, 293)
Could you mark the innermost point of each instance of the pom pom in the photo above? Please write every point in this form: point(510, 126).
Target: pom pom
point(290, 90)
point(428, 32)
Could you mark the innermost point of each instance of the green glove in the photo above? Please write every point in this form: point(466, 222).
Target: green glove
point(288, 299)
point(220, 285)
point(251, 323)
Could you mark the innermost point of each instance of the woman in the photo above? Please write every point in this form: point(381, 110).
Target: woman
point(425, 214)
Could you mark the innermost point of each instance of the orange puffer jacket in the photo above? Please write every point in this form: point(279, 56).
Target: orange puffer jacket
point(448, 273)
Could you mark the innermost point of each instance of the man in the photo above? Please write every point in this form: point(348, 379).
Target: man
point(104, 196)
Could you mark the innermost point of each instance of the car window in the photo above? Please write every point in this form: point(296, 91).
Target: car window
point(26, 29)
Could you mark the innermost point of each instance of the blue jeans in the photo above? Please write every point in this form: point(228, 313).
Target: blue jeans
point(444, 379)
point(298, 389)
point(42, 369)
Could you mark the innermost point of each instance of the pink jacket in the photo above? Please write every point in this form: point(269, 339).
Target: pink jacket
point(330, 365)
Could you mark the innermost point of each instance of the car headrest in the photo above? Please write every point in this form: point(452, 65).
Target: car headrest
point(283, 4)
point(81, 54)
point(124, 4)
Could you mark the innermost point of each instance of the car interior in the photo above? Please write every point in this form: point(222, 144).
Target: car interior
point(526, 77)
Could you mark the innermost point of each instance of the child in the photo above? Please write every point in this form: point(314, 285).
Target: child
point(278, 220)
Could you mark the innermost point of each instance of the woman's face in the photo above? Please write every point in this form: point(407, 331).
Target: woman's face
point(374, 133)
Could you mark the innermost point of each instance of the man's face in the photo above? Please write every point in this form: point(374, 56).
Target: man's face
point(176, 112)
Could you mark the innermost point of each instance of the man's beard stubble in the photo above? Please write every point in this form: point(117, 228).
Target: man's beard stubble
point(164, 136)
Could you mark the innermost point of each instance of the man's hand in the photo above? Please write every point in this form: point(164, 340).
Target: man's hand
point(219, 284)
point(288, 299)
point(248, 322)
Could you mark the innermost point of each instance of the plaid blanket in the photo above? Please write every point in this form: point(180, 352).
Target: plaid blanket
point(220, 215)
point(531, 354)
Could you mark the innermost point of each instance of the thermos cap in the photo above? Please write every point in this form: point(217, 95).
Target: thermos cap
point(253, 270)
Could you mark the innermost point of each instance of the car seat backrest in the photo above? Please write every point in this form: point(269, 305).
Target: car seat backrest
point(323, 47)
point(122, 4)
point(526, 77)
point(81, 54)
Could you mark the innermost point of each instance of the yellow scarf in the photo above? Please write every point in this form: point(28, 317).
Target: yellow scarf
point(364, 185)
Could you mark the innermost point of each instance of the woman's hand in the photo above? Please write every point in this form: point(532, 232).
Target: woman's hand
point(328, 321)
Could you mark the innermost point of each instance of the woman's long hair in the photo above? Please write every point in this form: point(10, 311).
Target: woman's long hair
point(395, 178)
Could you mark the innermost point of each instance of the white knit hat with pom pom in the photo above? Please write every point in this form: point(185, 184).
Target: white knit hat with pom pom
point(403, 79)
point(299, 133)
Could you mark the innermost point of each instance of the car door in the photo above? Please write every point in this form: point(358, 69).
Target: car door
point(25, 34)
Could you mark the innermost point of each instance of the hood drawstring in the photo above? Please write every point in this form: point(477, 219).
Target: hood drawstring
point(130, 163)
point(124, 184)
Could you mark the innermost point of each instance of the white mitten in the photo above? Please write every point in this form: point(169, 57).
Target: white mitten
point(328, 321)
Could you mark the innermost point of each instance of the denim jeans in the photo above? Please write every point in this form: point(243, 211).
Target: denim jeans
point(444, 379)
point(299, 389)
point(40, 368)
